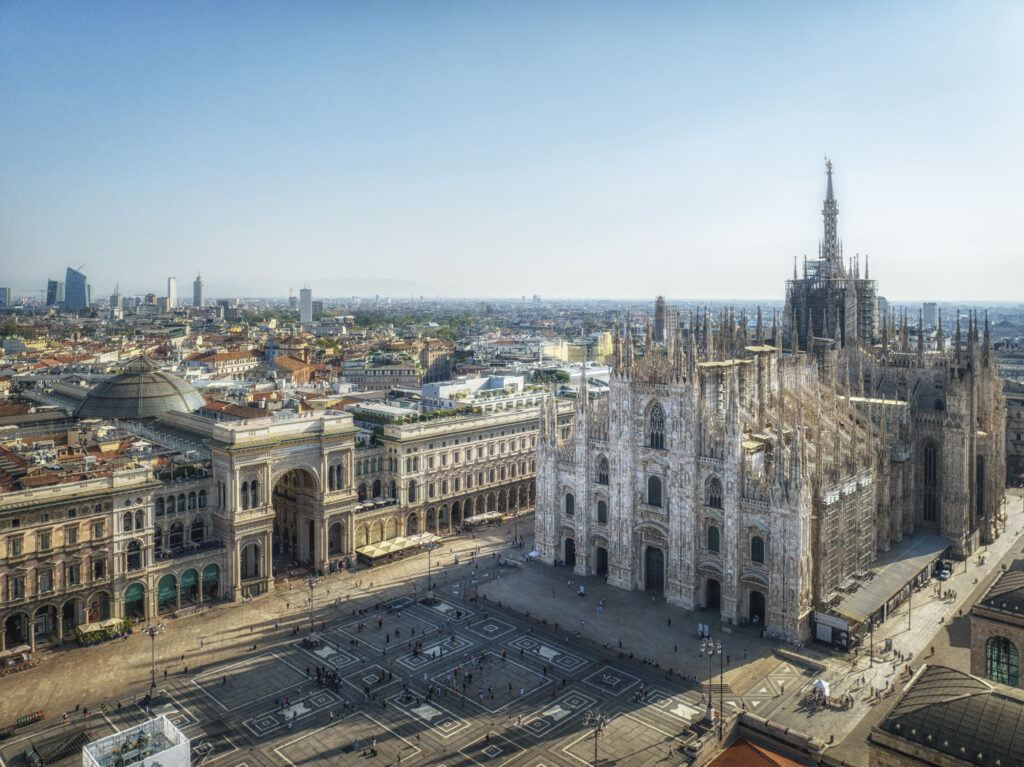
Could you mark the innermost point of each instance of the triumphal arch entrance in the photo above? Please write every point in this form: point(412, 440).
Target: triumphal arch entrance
point(284, 490)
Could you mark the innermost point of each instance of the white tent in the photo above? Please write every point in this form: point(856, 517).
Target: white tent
point(822, 685)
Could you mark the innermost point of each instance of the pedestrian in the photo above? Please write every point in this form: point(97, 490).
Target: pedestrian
point(185, 671)
point(202, 642)
point(223, 681)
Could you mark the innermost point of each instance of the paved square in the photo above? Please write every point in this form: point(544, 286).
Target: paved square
point(396, 635)
point(626, 741)
point(328, 654)
point(348, 742)
point(435, 716)
point(612, 681)
point(494, 684)
point(239, 684)
point(491, 628)
point(558, 712)
point(493, 750)
point(551, 653)
point(449, 612)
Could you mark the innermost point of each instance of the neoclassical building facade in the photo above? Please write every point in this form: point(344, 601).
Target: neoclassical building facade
point(311, 489)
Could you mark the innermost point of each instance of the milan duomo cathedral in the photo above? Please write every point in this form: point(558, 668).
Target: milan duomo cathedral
point(757, 473)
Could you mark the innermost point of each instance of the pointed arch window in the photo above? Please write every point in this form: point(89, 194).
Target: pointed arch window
point(602, 470)
point(757, 549)
point(654, 491)
point(657, 427)
point(602, 513)
point(714, 499)
point(570, 504)
point(714, 539)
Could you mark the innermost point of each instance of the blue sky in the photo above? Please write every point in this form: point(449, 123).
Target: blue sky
point(506, 148)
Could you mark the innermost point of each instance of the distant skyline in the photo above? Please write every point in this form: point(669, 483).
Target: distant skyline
point(574, 149)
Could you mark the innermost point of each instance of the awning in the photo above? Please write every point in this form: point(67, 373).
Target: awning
point(482, 517)
point(893, 570)
point(396, 545)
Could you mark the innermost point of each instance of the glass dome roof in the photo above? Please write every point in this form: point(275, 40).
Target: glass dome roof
point(140, 391)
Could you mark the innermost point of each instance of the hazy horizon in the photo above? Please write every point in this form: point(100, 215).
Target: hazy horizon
point(501, 150)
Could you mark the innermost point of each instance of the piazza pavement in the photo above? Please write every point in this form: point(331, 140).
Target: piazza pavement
point(239, 679)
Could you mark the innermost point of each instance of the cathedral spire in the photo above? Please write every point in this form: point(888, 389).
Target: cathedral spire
point(939, 340)
point(885, 334)
point(677, 351)
point(957, 342)
point(920, 336)
point(988, 340)
point(627, 357)
point(760, 327)
point(830, 214)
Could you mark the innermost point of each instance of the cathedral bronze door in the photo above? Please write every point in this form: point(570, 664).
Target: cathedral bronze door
point(756, 608)
point(570, 552)
point(654, 567)
point(713, 594)
point(601, 561)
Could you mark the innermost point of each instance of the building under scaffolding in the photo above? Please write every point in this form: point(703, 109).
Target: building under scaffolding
point(831, 305)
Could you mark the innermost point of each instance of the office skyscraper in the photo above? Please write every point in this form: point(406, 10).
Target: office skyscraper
point(5, 297)
point(659, 319)
point(75, 295)
point(172, 292)
point(54, 292)
point(197, 291)
point(305, 305)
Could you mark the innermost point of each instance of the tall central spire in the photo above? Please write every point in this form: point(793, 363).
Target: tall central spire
point(830, 212)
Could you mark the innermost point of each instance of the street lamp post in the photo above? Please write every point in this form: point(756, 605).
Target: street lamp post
point(430, 548)
point(713, 647)
point(151, 631)
point(596, 721)
point(311, 580)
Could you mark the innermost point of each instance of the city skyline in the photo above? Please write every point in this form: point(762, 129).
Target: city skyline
point(589, 153)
